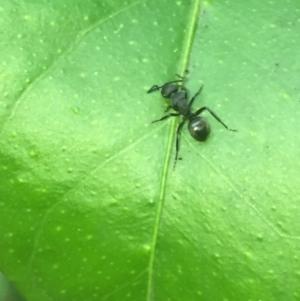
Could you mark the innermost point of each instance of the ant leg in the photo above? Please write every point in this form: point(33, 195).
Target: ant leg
point(178, 132)
point(194, 97)
point(168, 108)
point(156, 87)
point(214, 115)
point(166, 117)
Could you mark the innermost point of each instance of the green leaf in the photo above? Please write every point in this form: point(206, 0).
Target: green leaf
point(90, 206)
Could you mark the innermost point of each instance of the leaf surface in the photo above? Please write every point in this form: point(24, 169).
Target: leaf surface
point(90, 206)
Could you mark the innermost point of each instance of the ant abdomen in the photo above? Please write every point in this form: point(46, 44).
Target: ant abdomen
point(199, 128)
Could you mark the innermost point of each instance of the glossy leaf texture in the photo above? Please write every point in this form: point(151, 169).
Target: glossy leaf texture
point(90, 206)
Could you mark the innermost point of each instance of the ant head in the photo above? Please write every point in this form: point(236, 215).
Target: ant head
point(168, 89)
point(199, 128)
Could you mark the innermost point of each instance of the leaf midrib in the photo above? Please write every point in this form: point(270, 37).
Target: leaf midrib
point(186, 50)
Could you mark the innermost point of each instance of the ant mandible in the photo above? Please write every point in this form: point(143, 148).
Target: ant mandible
point(198, 126)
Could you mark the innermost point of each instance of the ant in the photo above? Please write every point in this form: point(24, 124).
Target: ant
point(198, 126)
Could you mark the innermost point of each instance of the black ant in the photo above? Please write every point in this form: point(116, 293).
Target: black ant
point(198, 126)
